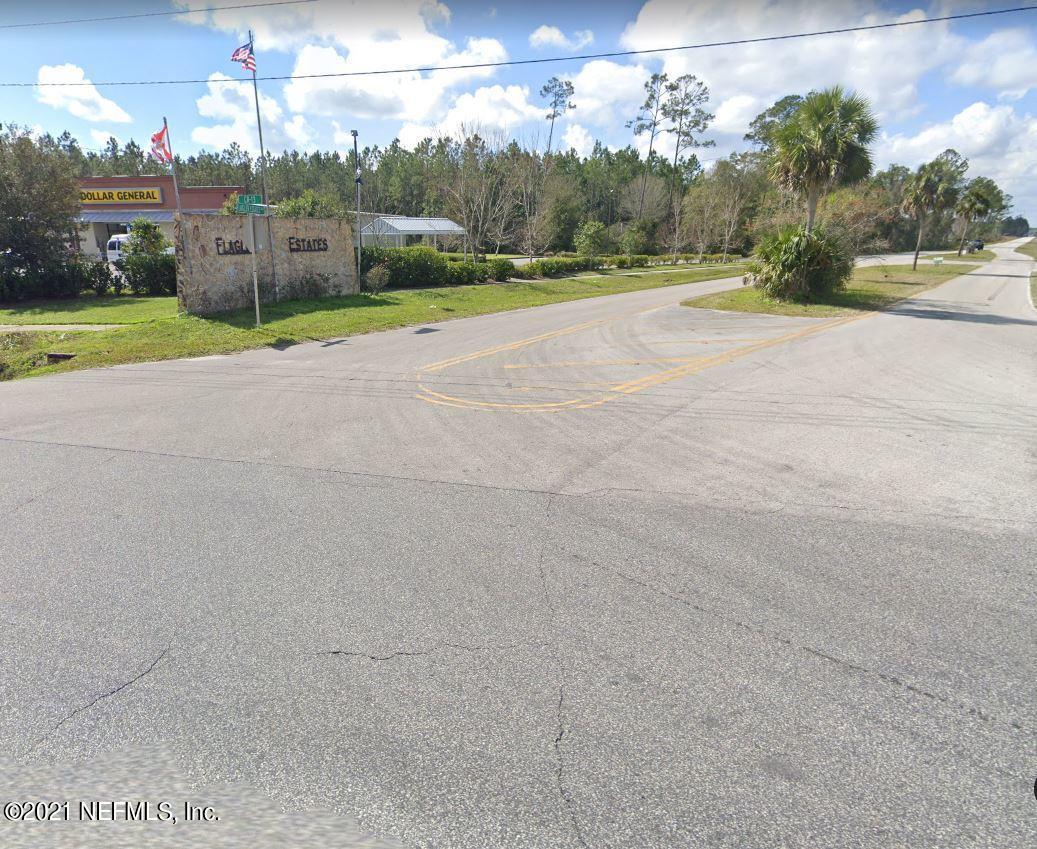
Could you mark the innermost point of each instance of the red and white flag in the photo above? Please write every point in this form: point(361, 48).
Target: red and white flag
point(160, 146)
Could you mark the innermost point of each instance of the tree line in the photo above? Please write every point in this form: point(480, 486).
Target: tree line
point(520, 196)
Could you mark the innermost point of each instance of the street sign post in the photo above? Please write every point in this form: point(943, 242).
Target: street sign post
point(249, 205)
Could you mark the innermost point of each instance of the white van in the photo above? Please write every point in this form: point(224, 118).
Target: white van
point(116, 246)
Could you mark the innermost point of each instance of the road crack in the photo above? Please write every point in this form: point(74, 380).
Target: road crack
point(563, 790)
point(844, 664)
point(424, 652)
point(114, 691)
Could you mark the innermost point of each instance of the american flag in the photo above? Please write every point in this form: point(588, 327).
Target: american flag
point(245, 56)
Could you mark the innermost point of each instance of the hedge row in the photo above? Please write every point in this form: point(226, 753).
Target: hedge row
point(419, 267)
point(141, 274)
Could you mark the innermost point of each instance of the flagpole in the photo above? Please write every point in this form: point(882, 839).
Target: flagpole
point(172, 165)
point(259, 123)
point(176, 192)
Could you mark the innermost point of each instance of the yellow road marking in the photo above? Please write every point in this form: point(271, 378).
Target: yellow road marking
point(466, 402)
point(522, 343)
point(726, 357)
point(600, 362)
point(688, 365)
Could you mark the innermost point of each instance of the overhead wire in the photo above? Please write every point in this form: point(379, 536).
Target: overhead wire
point(543, 60)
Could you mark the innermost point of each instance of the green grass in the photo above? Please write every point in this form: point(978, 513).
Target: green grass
point(871, 288)
point(1029, 249)
point(89, 309)
point(975, 256)
point(24, 353)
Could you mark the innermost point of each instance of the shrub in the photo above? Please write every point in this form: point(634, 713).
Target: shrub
point(640, 237)
point(501, 269)
point(21, 281)
point(99, 277)
point(149, 274)
point(145, 238)
point(416, 267)
point(591, 239)
point(376, 279)
point(370, 257)
point(797, 265)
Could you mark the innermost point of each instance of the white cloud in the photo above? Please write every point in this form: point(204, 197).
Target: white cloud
point(485, 110)
point(607, 93)
point(100, 137)
point(734, 114)
point(409, 97)
point(82, 101)
point(885, 65)
point(300, 132)
point(548, 36)
point(577, 138)
point(342, 22)
point(232, 106)
point(1005, 61)
point(999, 142)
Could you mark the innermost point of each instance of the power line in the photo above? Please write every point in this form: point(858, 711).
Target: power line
point(539, 61)
point(155, 14)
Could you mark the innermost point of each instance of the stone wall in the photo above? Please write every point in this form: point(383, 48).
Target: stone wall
point(295, 257)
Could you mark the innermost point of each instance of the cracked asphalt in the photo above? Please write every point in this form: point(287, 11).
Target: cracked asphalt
point(610, 573)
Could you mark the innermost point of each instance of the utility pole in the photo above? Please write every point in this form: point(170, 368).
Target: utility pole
point(259, 123)
point(359, 232)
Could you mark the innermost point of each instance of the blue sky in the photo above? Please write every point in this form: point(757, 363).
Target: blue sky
point(971, 85)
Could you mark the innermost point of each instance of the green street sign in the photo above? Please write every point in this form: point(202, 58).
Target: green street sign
point(249, 204)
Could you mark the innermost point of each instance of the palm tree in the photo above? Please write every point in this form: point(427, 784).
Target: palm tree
point(983, 199)
point(824, 144)
point(972, 205)
point(931, 189)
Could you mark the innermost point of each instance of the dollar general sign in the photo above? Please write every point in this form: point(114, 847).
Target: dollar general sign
point(131, 195)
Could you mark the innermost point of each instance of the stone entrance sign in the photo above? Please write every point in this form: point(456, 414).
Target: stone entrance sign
point(295, 258)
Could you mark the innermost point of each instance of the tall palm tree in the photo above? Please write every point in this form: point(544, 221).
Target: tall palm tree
point(970, 206)
point(824, 144)
point(930, 190)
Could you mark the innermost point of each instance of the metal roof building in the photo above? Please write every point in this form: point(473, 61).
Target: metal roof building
point(394, 229)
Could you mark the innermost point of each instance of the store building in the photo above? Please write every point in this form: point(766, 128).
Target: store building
point(109, 204)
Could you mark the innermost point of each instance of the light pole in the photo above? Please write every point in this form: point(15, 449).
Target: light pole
point(359, 233)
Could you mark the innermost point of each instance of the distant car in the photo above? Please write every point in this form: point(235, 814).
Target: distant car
point(974, 245)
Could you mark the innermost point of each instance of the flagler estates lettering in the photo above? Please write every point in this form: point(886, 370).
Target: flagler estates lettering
point(297, 245)
point(230, 247)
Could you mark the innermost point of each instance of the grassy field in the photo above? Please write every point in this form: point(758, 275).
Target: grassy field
point(89, 309)
point(975, 256)
point(872, 288)
point(1030, 249)
point(24, 353)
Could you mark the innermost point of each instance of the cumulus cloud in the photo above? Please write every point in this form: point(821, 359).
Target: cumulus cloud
point(548, 36)
point(82, 101)
point(999, 142)
point(606, 93)
point(485, 110)
point(409, 97)
point(770, 70)
point(100, 137)
point(342, 22)
point(1005, 61)
point(577, 138)
point(232, 106)
point(350, 36)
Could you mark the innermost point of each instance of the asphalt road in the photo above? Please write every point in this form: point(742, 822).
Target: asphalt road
point(610, 573)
